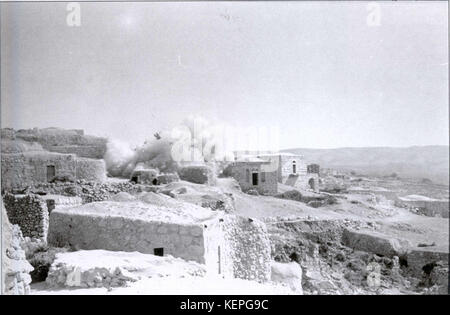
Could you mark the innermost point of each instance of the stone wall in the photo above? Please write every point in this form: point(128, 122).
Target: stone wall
point(54, 201)
point(87, 151)
point(60, 140)
point(19, 146)
point(91, 169)
point(313, 168)
point(129, 232)
point(308, 181)
point(286, 165)
point(242, 172)
point(28, 168)
point(29, 212)
point(15, 275)
point(89, 191)
point(238, 247)
point(20, 170)
point(435, 208)
point(197, 174)
point(167, 178)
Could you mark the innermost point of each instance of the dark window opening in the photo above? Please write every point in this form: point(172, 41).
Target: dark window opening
point(50, 205)
point(51, 172)
point(134, 179)
point(294, 257)
point(155, 181)
point(255, 179)
point(403, 262)
point(428, 268)
point(158, 251)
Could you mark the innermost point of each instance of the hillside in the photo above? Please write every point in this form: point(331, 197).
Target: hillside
point(430, 162)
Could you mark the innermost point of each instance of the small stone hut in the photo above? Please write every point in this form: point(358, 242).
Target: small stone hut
point(145, 176)
point(254, 173)
point(28, 168)
point(228, 245)
point(198, 174)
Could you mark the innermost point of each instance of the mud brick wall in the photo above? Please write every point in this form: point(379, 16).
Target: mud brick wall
point(29, 212)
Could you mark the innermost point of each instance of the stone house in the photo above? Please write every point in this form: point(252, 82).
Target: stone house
point(27, 168)
point(287, 168)
point(231, 246)
point(292, 170)
point(145, 176)
point(254, 174)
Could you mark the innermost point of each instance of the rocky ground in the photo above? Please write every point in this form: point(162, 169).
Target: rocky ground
point(376, 263)
point(346, 242)
point(105, 272)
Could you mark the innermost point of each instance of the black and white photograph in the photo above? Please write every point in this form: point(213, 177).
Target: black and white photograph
point(206, 149)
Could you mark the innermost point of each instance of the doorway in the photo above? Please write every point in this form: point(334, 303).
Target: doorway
point(51, 172)
point(312, 183)
point(255, 179)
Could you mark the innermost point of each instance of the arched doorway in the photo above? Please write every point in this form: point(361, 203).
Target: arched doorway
point(312, 183)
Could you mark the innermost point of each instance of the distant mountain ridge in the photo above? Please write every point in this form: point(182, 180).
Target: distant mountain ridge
point(430, 162)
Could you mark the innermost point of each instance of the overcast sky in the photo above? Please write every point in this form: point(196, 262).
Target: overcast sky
point(317, 71)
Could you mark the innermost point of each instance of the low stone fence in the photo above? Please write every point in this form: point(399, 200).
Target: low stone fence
point(54, 201)
point(29, 212)
point(431, 208)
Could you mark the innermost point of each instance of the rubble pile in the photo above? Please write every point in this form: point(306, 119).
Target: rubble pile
point(315, 201)
point(101, 268)
point(91, 191)
point(331, 266)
